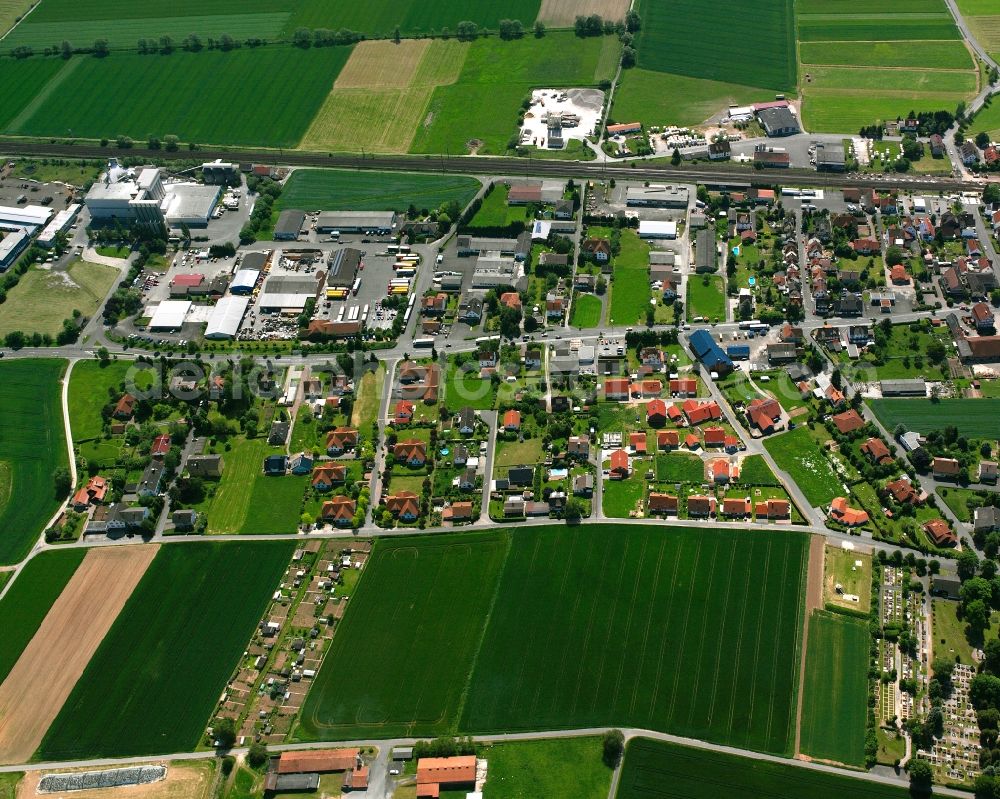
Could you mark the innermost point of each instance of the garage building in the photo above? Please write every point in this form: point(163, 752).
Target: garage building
point(11, 246)
point(289, 225)
point(28, 218)
point(286, 293)
point(226, 318)
point(343, 269)
point(244, 281)
point(380, 222)
point(657, 197)
point(657, 230)
point(170, 315)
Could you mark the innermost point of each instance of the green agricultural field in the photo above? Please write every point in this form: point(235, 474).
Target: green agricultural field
point(496, 77)
point(659, 98)
point(756, 41)
point(177, 638)
point(402, 655)
point(892, 80)
point(495, 212)
point(629, 279)
point(679, 468)
point(696, 632)
point(587, 311)
point(21, 82)
point(339, 189)
point(34, 591)
point(938, 55)
point(275, 504)
point(797, 453)
point(975, 418)
point(207, 97)
point(384, 16)
point(42, 299)
point(9, 782)
point(32, 447)
point(835, 694)
point(10, 12)
point(230, 506)
point(706, 297)
point(661, 770)
point(832, 111)
point(873, 28)
point(561, 768)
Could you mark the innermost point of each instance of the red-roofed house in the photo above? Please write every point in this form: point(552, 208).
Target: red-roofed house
point(161, 446)
point(616, 388)
point(698, 412)
point(674, 413)
point(834, 396)
point(125, 407)
point(773, 509)
point(877, 451)
point(340, 440)
point(619, 464)
point(700, 505)
point(764, 414)
point(898, 275)
point(512, 421)
point(683, 387)
point(715, 436)
point(667, 439)
point(318, 761)
point(404, 412)
point(637, 441)
point(403, 505)
point(841, 512)
point(848, 421)
point(691, 441)
point(92, 493)
point(735, 507)
point(451, 773)
point(646, 388)
point(328, 475)
point(662, 503)
point(903, 492)
point(940, 533)
point(412, 452)
point(720, 471)
point(656, 413)
point(945, 468)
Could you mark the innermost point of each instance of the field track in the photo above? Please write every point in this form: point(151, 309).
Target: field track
point(814, 601)
point(50, 666)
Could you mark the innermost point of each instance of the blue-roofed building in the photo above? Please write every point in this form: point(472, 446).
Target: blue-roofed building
point(709, 353)
point(738, 352)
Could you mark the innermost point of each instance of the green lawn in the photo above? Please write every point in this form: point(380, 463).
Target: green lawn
point(88, 393)
point(755, 471)
point(177, 638)
point(418, 612)
point(587, 311)
point(464, 386)
point(275, 504)
point(42, 299)
point(653, 643)
point(369, 398)
point(629, 279)
point(34, 591)
point(657, 769)
point(957, 500)
point(496, 213)
point(46, 170)
point(706, 298)
point(680, 468)
point(950, 639)
point(517, 453)
point(976, 418)
point(940, 55)
point(835, 694)
point(797, 453)
point(33, 446)
point(562, 768)
point(340, 189)
point(988, 119)
point(621, 497)
point(211, 97)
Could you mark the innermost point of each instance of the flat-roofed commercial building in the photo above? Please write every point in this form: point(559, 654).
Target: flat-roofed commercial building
point(657, 197)
point(226, 317)
point(170, 315)
point(380, 222)
point(289, 225)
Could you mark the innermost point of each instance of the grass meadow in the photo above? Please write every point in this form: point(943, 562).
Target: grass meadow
point(937, 55)
point(888, 27)
point(620, 497)
point(797, 453)
point(988, 119)
point(661, 770)
point(275, 504)
point(34, 591)
point(629, 278)
point(153, 683)
point(567, 767)
point(587, 310)
point(975, 418)
point(21, 82)
point(265, 97)
point(339, 189)
point(230, 505)
point(402, 655)
point(660, 98)
point(43, 299)
point(88, 393)
point(32, 447)
point(680, 468)
point(835, 693)
point(756, 41)
point(696, 632)
point(706, 297)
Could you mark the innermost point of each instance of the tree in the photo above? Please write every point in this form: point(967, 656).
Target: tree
point(101, 48)
point(894, 255)
point(935, 351)
point(967, 565)
point(103, 356)
point(65, 49)
point(629, 59)
point(62, 482)
point(257, 755)
point(977, 614)
point(633, 22)
point(991, 194)
point(395, 35)
point(302, 37)
point(170, 142)
point(539, 29)
point(982, 140)
point(921, 776)
point(574, 510)
point(675, 159)
point(224, 731)
point(991, 656)
point(614, 748)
